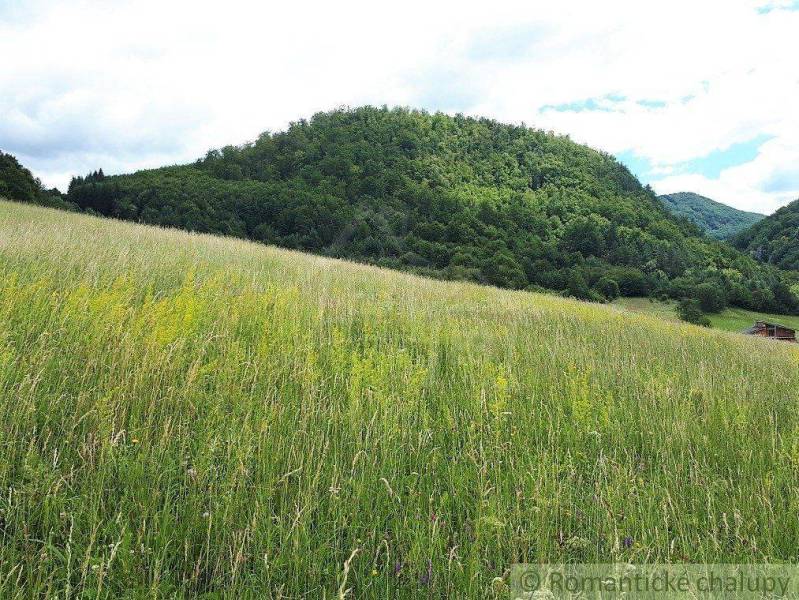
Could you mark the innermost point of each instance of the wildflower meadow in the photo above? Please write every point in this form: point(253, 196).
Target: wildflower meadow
point(192, 416)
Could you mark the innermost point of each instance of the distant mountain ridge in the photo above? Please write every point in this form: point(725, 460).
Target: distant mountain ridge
point(714, 218)
point(775, 239)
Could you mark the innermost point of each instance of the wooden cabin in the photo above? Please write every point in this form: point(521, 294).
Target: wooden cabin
point(773, 331)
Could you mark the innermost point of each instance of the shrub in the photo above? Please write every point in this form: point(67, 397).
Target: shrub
point(577, 287)
point(607, 287)
point(690, 310)
point(632, 281)
point(712, 298)
point(503, 271)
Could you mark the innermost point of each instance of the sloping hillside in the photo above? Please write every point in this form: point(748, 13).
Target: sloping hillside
point(451, 197)
point(714, 218)
point(775, 239)
point(184, 415)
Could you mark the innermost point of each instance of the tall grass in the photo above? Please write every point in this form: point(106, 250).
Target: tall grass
point(184, 415)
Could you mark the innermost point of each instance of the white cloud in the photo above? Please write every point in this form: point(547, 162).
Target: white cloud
point(125, 84)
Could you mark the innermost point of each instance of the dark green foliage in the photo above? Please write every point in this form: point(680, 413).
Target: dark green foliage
point(775, 239)
point(502, 270)
point(443, 196)
point(690, 310)
point(18, 183)
point(712, 297)
point(714, 218)
point(608, 288)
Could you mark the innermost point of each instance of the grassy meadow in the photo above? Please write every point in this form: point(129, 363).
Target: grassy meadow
point(190, 416)
point(730, 319)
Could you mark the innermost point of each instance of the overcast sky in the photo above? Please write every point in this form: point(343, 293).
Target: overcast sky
point(693, 96)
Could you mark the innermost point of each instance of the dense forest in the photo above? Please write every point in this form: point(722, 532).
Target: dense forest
point(775, 239)
point(18, 183)
point(714, 218)
point(450, 197)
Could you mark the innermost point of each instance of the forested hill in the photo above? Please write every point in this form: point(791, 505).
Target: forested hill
point(452, 197)
point(716, 219)
point(775, 239)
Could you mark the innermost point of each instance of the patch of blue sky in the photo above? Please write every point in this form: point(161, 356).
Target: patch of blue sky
point(603, 104)
point(14, 12)
point(711, 165)
point(639, 166)
point(767, 8)
point(651, 103)
point(506, 43)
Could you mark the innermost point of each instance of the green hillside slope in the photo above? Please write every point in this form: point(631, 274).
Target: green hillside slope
point(716, 219)
point(775, 239)
point(450, 197)
point(184, 415)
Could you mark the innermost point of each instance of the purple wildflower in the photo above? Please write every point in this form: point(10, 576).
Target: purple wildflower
point(425, 579)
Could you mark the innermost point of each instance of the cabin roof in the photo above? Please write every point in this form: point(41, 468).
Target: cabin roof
point(760, 324)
